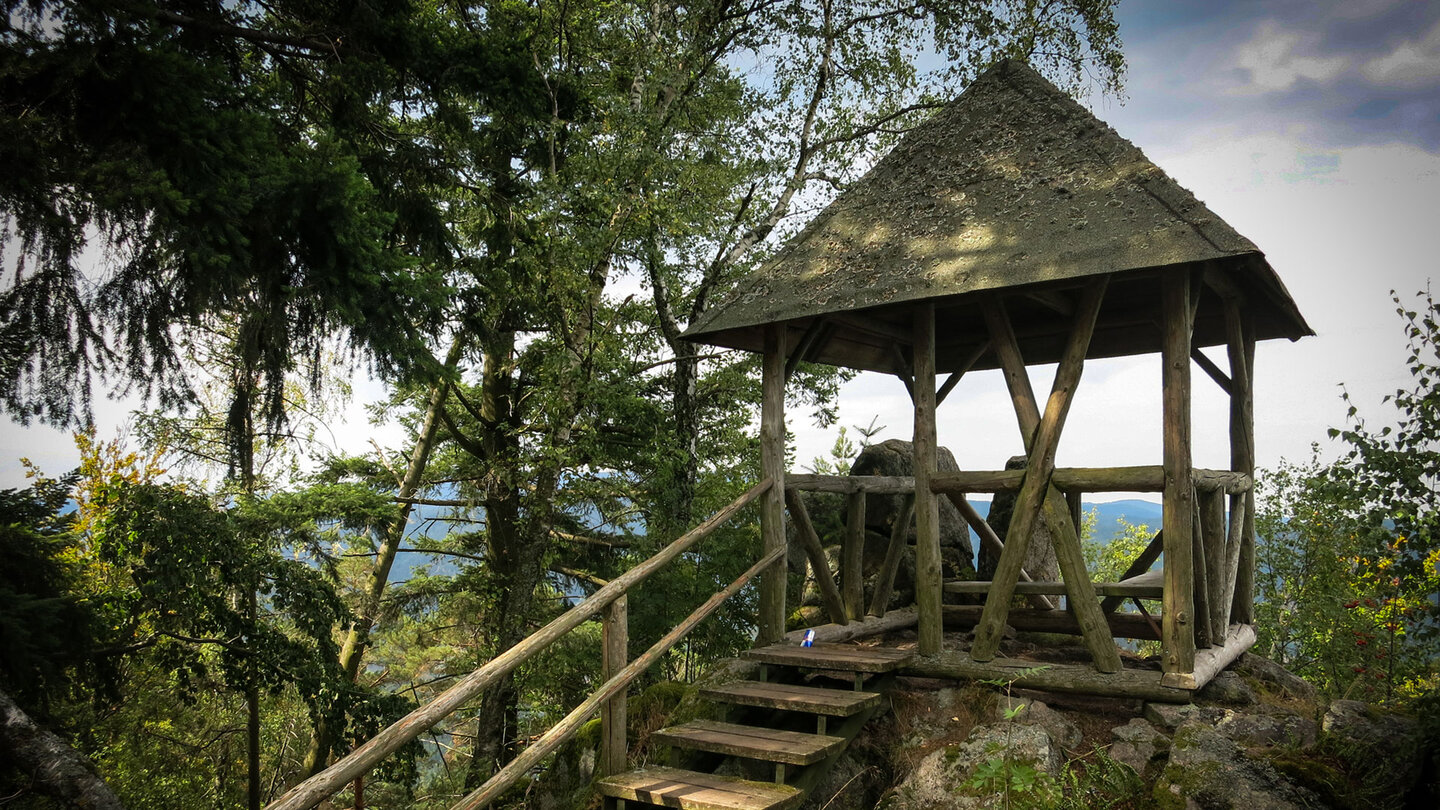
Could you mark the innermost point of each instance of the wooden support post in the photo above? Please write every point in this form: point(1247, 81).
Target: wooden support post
point(1074, 500)
point(1233, 546)
point(927, 507)
point(615, 639)
point(1241, 347)
point(1178, 616)
point(852, 563)
point(824, 580)
point(1037, 496)
point(1204, 636)
point(885, 579)
point(772, 465)
point(1212, 529)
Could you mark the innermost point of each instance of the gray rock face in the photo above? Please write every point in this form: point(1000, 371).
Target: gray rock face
point(943, 778)
point(1035, 712)
point(1267, 730)
point(1230, 689)
point(1388, 746)
point(1266, 671)
point(897, 457)
point(1040, 561)
point(1170, 716)
point(1208, 771)
point(1138, 745)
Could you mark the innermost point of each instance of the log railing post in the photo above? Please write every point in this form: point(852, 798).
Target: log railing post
point(615, 640)
point(852, 557)
point(927, 507)
point(1178, 617)
point(1241, 347)
point(771, 620)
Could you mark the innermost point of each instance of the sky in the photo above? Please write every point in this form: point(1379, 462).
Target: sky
point(1313, 128)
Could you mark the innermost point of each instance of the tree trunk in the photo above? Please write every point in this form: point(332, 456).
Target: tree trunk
point(358, 639)
point(55, 769)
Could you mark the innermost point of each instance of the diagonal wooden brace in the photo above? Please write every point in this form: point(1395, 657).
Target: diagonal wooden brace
point(1037, 499)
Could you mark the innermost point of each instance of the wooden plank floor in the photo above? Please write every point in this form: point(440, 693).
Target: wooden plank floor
point(843, 657)
point(794, 698)
point(688, 790)
point(753, 742)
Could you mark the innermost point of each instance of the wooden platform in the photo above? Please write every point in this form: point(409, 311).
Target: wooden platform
point(673, 787)
point(752, 742)
point(793, 698)
point(840, 657)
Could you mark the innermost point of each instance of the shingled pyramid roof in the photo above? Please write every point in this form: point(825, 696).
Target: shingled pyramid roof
point(1015, 188)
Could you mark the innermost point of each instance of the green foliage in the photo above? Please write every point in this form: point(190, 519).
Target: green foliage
point(1348, 559)
point(1107, 562)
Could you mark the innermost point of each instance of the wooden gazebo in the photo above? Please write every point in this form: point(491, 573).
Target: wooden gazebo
point(1011, 229)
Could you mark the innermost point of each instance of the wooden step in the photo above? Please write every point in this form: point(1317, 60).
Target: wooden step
point(793, 698)
point(843, 657)
point(673, 787)
point(753, 742)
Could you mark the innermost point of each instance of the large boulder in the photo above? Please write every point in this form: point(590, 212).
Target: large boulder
point(1386, 747)
point(1209, 771)
point(1040, 560)
point(978, 772)
point(897, 458)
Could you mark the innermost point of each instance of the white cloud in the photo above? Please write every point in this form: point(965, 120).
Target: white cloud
point(1275, 59)
point(1413, 62)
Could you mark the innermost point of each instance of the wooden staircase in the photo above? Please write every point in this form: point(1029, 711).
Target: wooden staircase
point(775, 707)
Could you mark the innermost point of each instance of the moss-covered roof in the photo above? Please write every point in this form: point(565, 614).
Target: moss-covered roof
point(1011, 186)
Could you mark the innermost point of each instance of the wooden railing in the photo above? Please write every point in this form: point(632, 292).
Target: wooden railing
point(1214, 563)
point(609, 698)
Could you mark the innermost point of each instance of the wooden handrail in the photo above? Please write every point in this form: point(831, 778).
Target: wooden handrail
point(317, 788)
point(566, 728)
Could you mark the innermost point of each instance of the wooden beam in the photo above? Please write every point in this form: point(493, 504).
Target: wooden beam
point(905, 369)
point(895, 334)
point(989, 538)
point(927, 507)
point(824, 580)
point(1241, 349)
point(1147, 478)
point(1144, 589)
point(1070, 678)
point(854, 631)
point(960, 371)
point(771, 620)
point(885, 577)
point(852, 557)
point(1042, 435)
point(615, 641)
point(807, 342)
point(1178, 614)
point(1209, 663)
point(1221, 378)
point(845, 484)
point(1054, 300)
point(1122, 625)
